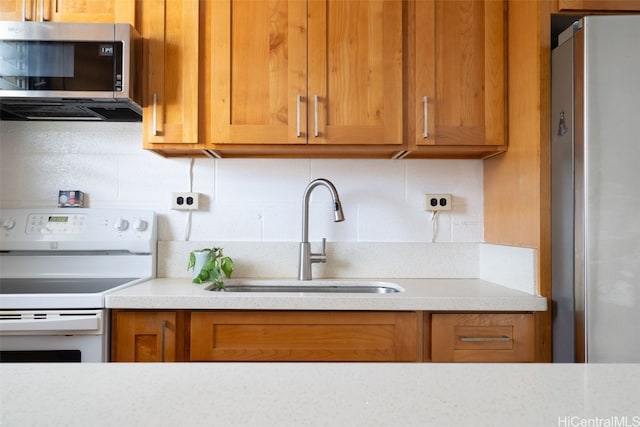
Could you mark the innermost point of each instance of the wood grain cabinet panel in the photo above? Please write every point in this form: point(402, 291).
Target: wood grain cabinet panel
point(304, 72)
point(171, 97)
point(304, 336)
point(457, 93)
point(503, 337)
point(121, 11)
point(144, 336)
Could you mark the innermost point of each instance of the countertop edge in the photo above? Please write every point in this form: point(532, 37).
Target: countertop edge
point(419, 295)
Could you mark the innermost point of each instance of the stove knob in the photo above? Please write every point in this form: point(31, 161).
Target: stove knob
point(140, 224)
point(8, 224)
point(121, 224)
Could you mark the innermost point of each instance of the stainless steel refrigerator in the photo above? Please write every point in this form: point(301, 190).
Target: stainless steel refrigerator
point(595, 206)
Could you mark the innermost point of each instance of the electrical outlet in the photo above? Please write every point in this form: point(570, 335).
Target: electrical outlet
point(437, 202)
point(185, 201)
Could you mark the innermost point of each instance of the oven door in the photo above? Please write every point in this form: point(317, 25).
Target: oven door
point(53, 336)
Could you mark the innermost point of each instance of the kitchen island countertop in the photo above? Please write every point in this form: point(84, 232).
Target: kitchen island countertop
point(309, 394)
point(419, 294)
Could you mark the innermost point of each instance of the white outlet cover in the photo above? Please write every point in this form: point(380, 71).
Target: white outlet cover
point(437, 202)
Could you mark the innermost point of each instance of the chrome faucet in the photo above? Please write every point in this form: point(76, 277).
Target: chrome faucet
point(306, 256)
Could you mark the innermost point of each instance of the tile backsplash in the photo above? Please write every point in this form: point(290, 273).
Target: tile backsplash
point(253, 207)
point(244, 200)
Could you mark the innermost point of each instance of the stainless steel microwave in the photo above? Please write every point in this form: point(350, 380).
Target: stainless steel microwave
point(70, 71)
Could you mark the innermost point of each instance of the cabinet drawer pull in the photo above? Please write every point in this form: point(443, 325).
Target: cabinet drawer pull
point(315, 114)
point(425, 113)
point(163, 339)
point(298, 100)
point(485, 339)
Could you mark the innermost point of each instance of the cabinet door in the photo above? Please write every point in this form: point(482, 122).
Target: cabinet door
point(355, 72)
point(599, 5)
point(16, 10)
point(292, 72)
point(483, 337)
point(143, 336)
point(304, 336)
point(170, 32)
point(257, 72)
point(121, 11)
point(459, 92)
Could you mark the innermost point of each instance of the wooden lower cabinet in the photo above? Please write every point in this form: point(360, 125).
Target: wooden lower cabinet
point(145, 336)
point(304, 336)
point(490, 337)
point(317, 336)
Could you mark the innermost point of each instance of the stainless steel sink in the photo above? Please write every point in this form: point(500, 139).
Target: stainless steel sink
point(312, 286)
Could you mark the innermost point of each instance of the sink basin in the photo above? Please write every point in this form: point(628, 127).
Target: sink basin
point(313, 286)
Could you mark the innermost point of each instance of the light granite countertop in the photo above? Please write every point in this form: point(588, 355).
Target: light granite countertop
point(419, 294)
point(313, 394)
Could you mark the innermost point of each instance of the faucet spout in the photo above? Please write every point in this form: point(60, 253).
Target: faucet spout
point(306, 256)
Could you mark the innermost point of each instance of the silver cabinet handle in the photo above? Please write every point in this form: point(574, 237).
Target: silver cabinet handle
point(485, 339)
point(298, 100)
point(425, 113)
point(32, 9)
point(41, 10)
point(155, 115)
point(315, 114)
point(164, 327)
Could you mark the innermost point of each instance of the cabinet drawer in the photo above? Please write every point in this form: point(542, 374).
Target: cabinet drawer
point(303, 336)
point(483, 337)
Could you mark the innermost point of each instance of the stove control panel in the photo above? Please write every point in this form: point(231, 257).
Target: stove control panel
point(77, 229)
point(56, 224)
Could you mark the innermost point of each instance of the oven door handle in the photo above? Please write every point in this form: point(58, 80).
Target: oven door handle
point(53, 323)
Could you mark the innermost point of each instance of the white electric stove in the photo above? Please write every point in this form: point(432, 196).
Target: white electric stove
point(56, 266)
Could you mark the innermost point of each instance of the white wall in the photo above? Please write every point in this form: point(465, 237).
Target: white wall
point(252, 200)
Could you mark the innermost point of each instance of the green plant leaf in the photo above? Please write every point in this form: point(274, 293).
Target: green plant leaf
point(226, 264)
point(216, 267)
point(192, 261)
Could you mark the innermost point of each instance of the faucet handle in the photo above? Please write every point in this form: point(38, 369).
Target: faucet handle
point(319, 257)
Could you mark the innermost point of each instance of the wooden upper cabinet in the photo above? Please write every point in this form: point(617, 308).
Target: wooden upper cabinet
point(121, 11)
point(599, 5)
point(298, 72)
point(355, 72)
point(171, 37)
point(458, 90)
point(16, 10)
point(257, 71)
